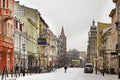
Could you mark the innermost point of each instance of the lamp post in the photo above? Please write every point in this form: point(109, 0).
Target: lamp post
point(103, 48)
point(24, 59)
point(61, 59)
point(39, 58)
point(96, 64)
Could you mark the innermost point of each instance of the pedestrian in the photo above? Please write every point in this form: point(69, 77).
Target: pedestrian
point(65, 68)
point(16, 70)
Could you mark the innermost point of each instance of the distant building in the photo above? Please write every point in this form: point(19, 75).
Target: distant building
point(76, 58)
point(83, 54)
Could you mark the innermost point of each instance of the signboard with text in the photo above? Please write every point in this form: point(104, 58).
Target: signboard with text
point(42, 41)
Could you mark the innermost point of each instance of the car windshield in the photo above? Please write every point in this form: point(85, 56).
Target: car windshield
point(88, 65)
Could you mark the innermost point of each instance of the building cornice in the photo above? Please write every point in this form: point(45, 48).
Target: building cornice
point(112, 12)
point(33, 23)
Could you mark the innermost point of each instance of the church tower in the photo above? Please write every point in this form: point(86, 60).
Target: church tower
point(92, 43)
point(64, 43)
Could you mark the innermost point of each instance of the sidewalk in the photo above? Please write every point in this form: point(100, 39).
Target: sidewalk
point(98, 75)
point(107, 76)
point(9, 77)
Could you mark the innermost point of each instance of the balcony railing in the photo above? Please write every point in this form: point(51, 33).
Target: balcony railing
point(5, 12)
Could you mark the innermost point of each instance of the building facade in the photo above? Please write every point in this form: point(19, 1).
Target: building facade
point(31, 18)
point(52, 55)
point(43, 42)
point(101, 26)
point(19, 40)
point(6, 34)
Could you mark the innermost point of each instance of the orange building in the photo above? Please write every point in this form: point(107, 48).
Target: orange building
point(6, 34)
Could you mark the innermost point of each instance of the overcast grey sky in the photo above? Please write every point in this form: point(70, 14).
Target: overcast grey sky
point(75, 16)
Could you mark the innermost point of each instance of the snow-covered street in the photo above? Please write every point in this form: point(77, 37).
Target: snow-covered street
point(72, 74)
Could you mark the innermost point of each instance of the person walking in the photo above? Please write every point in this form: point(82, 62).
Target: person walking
point(16, 70)
point(65, 68)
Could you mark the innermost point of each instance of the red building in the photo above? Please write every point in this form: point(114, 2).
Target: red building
point(6, 34)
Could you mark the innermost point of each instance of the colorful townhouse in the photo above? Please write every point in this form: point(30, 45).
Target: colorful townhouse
point(6, 34)
point(43, 43)
point(30, 18)
point(20, 38)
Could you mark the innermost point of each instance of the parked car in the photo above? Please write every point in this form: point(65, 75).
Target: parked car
point(88, 68)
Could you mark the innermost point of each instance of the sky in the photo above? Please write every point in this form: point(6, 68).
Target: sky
point(71, 74)
point(75, 16)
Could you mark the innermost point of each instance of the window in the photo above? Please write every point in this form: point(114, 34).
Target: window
point(9, 30)
point(21, 13)
point(3, 3)
point(119, 11)
point(8, 61)
point(16, 24)
point(8, 26)
point(21, 27)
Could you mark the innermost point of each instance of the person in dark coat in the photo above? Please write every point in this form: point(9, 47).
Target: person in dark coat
point(65, 67)
point(16, 70)
point(17, 67)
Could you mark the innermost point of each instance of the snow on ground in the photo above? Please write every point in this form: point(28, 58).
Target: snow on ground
point(72, 74)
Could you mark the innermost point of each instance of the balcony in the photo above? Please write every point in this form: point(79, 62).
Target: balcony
point(6, 13)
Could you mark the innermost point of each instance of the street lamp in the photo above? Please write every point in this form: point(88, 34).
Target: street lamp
point(103, 48)
point(24, 59)
point(96, 63)
point(39, 58)
point(61, 59)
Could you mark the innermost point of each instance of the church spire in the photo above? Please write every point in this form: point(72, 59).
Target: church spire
point(62, 32)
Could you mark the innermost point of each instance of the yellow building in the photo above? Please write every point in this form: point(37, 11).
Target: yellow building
point(100, 26)
point(44, 36)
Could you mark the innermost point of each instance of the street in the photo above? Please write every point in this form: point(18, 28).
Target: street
point(71, 74)
point(40, 35)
